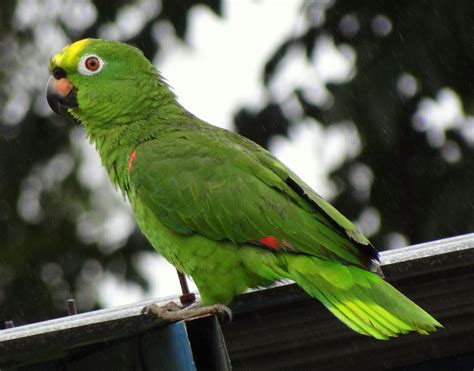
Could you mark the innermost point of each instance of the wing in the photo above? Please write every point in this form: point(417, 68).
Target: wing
point(222, 186)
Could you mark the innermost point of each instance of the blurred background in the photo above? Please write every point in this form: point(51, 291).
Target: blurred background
point(371, 102)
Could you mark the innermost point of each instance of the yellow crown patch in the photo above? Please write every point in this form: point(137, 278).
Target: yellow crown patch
point(67, 56)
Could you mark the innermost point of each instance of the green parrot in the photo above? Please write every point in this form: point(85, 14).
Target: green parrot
point(216, 205)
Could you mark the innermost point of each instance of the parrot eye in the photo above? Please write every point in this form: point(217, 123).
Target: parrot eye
point(90, 65)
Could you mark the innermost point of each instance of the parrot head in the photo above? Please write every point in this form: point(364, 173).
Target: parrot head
point(94, 79)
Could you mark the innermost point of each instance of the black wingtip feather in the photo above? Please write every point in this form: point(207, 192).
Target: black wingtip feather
point(370, 254)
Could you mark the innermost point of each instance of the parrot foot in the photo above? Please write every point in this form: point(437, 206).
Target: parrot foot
point(174, 312)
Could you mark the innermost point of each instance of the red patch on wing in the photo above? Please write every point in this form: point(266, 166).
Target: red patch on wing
point(270, 242)
point(133, 155)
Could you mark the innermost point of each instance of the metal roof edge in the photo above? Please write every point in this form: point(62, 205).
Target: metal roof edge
point(113, 323)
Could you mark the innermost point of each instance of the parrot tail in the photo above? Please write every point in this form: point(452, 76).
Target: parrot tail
point(361, 299)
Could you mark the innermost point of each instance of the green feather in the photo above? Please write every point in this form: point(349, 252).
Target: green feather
point(363, 301)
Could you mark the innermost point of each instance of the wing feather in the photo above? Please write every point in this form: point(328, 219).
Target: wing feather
point(222, 186)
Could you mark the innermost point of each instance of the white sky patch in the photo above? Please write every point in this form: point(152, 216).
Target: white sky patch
point(334, 63)
point(312, 152)
point(329, 63)
point(435, 116)
point(130, 20)
point(113, 291)
point(305, 141)
point(296, 71)
point(222, 67)
point(161, 274)
point(78, 14)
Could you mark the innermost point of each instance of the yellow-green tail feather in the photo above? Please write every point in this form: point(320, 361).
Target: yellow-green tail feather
point(361, 299)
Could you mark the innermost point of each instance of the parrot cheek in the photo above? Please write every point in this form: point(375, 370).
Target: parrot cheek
point(61, 95)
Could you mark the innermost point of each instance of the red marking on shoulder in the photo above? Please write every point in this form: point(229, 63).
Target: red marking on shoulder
point(270, 242)
point(133, 155)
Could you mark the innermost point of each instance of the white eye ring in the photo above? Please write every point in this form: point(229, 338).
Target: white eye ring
point(90, 64)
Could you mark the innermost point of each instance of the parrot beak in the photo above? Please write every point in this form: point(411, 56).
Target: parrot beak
point(61, 94)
